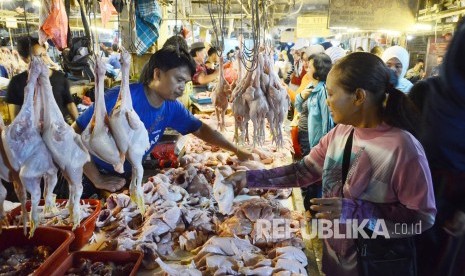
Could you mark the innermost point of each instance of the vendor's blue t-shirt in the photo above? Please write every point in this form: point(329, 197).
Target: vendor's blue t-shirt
point(170, 114)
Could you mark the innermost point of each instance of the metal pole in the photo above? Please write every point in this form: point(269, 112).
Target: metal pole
point(11, 38)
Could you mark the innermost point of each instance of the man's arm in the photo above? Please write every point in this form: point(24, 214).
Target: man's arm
point(72, 109)
point(104, 182)
point(213, 137)
point(203, 78)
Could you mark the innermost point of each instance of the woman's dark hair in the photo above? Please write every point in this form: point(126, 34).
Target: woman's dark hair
point(25, 44)
point(322, 64)
point(377, 50)
point(369, 72)
point(165, 59)
point(177, 40)
point(212, 51)
point(419, 92)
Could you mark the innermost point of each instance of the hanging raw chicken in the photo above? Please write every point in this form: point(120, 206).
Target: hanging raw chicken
point(26, 151)
point(130, 134)
point(66, 147)
point(53, 23)
point(97, 136)
point(220, 94)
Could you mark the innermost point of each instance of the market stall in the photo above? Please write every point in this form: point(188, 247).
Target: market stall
point(182, 218)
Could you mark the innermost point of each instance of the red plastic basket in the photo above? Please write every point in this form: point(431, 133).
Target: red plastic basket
point(82, 233)
point(59, 240)
point(117, 257)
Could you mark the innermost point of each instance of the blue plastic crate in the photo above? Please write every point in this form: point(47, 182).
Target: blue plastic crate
point(200, 101)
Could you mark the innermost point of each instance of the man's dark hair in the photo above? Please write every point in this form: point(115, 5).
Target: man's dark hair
point(25, 44)
point(114, 47)
point(165, 59)
point(420, 60)
point(177, 40)
point(212, 51)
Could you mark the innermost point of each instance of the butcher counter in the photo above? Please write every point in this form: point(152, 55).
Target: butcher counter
point(198, 149)
point(212, 160)
point(294, 202)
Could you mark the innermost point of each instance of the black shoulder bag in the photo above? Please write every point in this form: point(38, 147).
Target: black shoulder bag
point(380, 256)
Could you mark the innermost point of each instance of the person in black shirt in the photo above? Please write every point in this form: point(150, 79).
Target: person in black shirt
point(60, 85)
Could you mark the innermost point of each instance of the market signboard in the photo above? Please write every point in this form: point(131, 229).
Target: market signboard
point(11, 23)
point(287, 36)
point(312, 25)
point(396, 15)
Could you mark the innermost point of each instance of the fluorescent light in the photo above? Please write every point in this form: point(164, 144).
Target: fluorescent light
point(101, 30)
point(390, 32)
point(410, 37)
point(422, 27)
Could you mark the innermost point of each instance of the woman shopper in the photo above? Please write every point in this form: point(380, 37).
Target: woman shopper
point(315, 120)
point(397, 59)
point(372, 167)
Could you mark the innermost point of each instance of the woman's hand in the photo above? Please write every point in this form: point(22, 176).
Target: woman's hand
point(327, 208)
point(111, 183)
point(238, 180)
point(305, 93)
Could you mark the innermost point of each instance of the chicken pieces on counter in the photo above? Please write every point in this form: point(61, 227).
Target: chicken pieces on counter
point(177, 221)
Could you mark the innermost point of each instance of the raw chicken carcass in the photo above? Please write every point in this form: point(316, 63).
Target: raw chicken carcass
point(220, 97)
point(291, 253)
point(200, 185)
point(66, 147)
point(27, 152)
point(97, 136)
point(291, 265)
point(179, 270)
point(241, 120)
point(259, 271)
point(255, 98)
point(227, 246)
point(130, 134)
point(223, 194)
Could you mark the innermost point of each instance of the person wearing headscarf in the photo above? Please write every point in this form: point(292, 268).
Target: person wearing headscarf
point(335, 53)
point(397, 59)
point(441, 250)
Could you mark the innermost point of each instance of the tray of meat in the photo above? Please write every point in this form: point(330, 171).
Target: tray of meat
point(100, 263)
point(38, 255)
point(90, 208)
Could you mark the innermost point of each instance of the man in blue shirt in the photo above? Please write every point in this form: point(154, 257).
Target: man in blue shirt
point(162, 80)
point(114, 57)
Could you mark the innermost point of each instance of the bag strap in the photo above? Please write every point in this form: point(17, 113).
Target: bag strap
point(346, 157)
